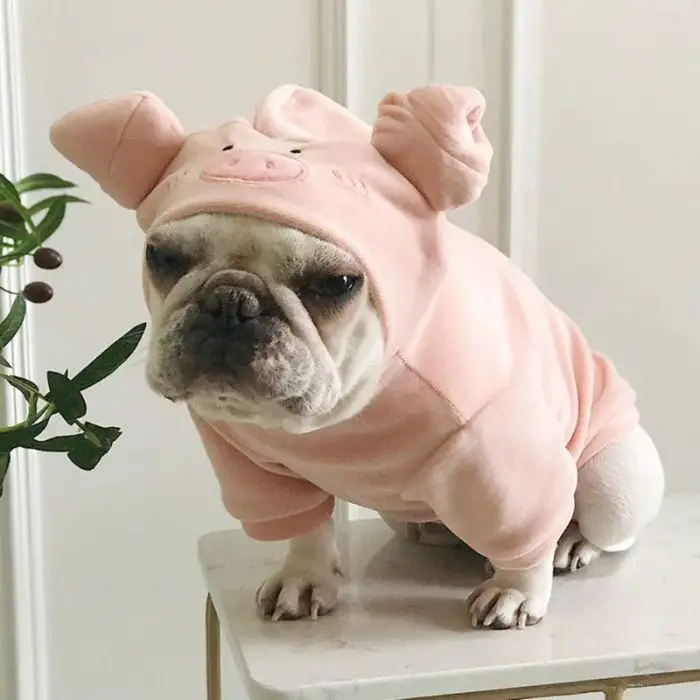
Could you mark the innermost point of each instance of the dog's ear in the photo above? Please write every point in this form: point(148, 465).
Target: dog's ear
point(124, 143)
point(433, 136)
point(295, 113)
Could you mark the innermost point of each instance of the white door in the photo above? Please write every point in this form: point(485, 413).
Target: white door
point(597, 146)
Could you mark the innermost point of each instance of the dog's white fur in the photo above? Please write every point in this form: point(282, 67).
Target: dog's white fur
point(619, 490)
point(306, 584)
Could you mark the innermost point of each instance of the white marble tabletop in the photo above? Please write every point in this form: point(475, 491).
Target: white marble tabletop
point(401, 630)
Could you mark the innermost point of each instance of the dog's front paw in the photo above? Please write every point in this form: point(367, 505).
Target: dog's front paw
point(295, 592)
point(512, 599)
point(499, 608)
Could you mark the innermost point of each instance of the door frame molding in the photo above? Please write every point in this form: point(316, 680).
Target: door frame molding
point(28, 633)
point(523, 73)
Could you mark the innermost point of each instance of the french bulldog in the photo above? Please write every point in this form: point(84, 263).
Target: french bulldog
point(334, 336)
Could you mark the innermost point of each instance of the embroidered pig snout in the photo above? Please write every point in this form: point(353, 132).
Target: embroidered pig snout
point(253, 167)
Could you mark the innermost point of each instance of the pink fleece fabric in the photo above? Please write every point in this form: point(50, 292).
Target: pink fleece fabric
point(491, 396)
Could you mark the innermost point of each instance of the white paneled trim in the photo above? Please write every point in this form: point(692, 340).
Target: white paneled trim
point(521, 181)
point(24, 485)
point(467, 45)
point(331, 48)
point(335, 48)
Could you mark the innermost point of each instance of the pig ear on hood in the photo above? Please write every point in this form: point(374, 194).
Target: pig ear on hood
point(301, 114)
point(433, 136)
point(124, 143)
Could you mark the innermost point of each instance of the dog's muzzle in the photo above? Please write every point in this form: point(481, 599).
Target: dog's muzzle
point(232, 336)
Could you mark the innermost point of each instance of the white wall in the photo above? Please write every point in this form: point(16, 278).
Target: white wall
point(618, 243)
point(115, 549)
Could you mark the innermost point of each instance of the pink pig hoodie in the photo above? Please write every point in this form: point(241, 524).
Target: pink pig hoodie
point(491, 397)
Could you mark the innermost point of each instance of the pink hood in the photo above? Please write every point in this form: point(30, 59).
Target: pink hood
point(307, 163)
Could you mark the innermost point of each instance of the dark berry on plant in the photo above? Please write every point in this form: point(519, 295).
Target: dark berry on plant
point(47, 258)
point(37, 292)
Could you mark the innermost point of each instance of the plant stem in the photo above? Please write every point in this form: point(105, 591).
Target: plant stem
point(33, 416)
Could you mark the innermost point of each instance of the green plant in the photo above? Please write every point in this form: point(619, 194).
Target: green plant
point(24, 229)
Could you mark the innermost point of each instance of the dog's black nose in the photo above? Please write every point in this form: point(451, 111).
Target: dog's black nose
point(230, 305)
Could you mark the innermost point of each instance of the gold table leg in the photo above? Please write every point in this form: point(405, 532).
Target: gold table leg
point(615, 693)
point(213, 636)
point(611, 688)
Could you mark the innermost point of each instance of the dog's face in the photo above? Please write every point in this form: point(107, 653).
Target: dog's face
point(257, 322)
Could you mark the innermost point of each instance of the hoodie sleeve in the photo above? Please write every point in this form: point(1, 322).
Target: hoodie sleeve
point(504, 483)
point(270, 505)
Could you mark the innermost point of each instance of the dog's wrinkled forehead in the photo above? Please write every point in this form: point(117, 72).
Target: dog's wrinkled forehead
point(235, 241)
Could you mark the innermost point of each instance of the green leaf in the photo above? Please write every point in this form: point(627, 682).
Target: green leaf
point(43, 230)
point(9, 214)
point(26, 387)
point(42, 181)
point(4, 362)
point(8, 230)
point(111, 359)
point(13, 321)
point(105, 436)
point(66, 397)
point(61, 443)
point(46, 203)
point(9, 193)
point(51, 221)
point(18, 435)
point(29, 390)
point(86, 455)
point(92, 438)
point(4, 466)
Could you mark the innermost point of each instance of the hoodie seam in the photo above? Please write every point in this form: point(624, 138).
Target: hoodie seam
point(157, 181)
point(456, 413)
point(120, 140)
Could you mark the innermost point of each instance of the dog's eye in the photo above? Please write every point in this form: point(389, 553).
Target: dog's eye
point(333, 287)
point(164, 260)
point(295, 150)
